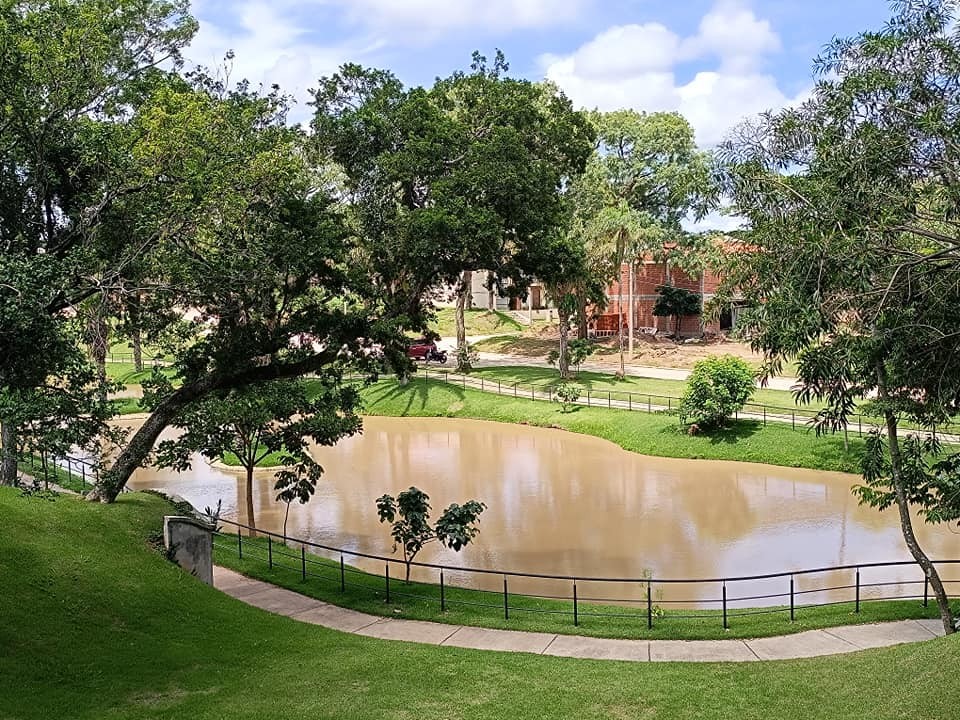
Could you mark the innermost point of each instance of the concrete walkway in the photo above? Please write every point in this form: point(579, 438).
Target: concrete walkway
point(812, 643)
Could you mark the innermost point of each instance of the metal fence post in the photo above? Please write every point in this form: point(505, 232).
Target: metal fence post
point(270, 551)
point(588, 398)
point(792, 613)
point(240, 543)
point(857, 601)
point(793, 419)
point(343, 578)
point(926, 589)
point(609, 401)
point(576, 618)
point(649, 404)
point(764, 415)
point(506, 604)
point(629, 401)
point(387, 577)
point(649, 608)
point(303, 563)
point(443, 594)
point(725, 626)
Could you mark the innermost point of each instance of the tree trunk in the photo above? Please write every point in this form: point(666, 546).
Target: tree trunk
point(491, 295)
point(8, 448)
point(623, 372)
point(906, 522)
point(631, 321)
point(407, 578)
point(583, 329)
point(563, 315)
point(251, 520)
point(136, 340)
point(463, 362)
point(98, 338)
point(138, 448)
point(286, 516)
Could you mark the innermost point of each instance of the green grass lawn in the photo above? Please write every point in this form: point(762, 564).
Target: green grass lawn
point(98, 624)
point(477, 321)
point(126, 373)
point(270, 460)
point(602, 383)
point(650, 434)
point(421, 601)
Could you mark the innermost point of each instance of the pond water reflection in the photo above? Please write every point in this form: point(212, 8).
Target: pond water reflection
point(567, 504)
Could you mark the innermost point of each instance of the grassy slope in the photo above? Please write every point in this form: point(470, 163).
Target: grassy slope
point(420, 601)
point(650, 434)
point(98, 625)
point(478, 322)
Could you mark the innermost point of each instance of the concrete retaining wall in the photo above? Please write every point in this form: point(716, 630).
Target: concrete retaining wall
point(190, 543)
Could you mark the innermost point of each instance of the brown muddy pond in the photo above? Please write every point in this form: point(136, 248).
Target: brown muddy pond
point(566, 504)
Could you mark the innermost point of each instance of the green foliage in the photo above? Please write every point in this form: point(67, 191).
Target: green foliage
point(566, 394)
point(717, 388)
point(854, 249)
point(930, 479)
point(278, 417)
point(676, 302)
point(409, 515)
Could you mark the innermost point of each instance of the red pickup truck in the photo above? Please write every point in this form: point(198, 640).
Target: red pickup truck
point(426, 350)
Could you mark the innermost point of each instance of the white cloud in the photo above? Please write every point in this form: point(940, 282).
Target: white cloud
point(428, 17)
point(269, 48)
point(633, 66)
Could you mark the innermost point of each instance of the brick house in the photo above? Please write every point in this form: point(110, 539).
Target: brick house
point(648, 275)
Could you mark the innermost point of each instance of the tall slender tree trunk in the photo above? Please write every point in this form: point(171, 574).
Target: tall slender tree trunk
point(631, 321)
point(583, 327)
point(8, 448)
point(903, 507)
point(491, 293)
point(623, 372)
point(563, 315)
point(251, 520)
point(136, 341)
point(98, 338)
point(463, 292)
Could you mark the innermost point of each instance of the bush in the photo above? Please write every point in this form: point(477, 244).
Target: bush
point(566, 394)
point(718, 387)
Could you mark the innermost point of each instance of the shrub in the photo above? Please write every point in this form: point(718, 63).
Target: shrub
point(718, 387)
point(566, 394)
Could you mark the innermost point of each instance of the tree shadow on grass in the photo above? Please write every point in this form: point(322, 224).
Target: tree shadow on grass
point(418, 389)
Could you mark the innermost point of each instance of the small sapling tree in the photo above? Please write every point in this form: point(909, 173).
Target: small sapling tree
point(718, 387)
point(409, 514)
point(297, 480)
point(677, 303)
point(566, 394)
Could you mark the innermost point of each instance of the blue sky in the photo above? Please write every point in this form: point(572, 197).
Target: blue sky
point(715, 61)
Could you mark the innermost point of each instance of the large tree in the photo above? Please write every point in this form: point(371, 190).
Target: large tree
point(253, 280)
point(450, 180)
point(72, 72)
point(853, 258)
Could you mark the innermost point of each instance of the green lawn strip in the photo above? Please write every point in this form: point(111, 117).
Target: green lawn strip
point(71, 480)
point(128, 406)
point(650, 434)
point(421, 601)
point(270, 460)
point(126, 373)
point(478, 322)
point(98, 624)
point(600, 384)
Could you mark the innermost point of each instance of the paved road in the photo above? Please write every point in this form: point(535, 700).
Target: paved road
point(812, 643)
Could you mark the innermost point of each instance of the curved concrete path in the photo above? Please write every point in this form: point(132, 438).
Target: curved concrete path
point(812, 643)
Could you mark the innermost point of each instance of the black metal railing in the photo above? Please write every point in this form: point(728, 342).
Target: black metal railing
point(73, 473)
point(731, 597)
point(797, 417)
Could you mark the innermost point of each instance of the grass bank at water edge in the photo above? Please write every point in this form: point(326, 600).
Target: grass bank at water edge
point(97, 624)
point(649, 434)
